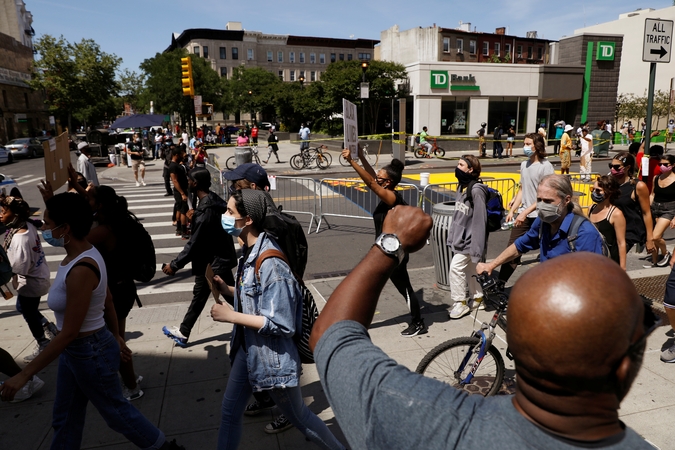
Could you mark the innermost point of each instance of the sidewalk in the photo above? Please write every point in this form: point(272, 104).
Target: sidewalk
point(184, 387)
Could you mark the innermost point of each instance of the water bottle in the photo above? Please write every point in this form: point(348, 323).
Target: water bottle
point(508, 225)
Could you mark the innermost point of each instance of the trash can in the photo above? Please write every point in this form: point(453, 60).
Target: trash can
point(242, 155)
point(601, 142)
point(442, 214)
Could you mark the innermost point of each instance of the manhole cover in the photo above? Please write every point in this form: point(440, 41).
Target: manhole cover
point(652, 290)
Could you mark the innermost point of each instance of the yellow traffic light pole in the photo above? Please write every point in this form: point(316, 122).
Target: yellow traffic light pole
point(188, 87)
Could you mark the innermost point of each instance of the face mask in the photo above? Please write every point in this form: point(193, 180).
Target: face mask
point(617, 173)
point(597, 198)
point(528, 151)
point(228, 223)
point(666, 169)
point(464, 178)
point(548, 212)
point(49, 239)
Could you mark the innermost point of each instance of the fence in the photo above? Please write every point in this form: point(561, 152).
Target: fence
point(296, 195)
point(443, 192)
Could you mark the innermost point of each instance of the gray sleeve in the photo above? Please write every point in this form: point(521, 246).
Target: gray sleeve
point(381, 404)
point(478, 223)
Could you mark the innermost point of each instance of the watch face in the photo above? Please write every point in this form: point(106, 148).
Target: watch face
point(390, 243)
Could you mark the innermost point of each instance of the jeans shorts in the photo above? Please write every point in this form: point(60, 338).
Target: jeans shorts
point(663, 210)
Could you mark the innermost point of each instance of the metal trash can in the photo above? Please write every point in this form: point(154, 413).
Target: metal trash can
point(442, 214)
point(242, 155)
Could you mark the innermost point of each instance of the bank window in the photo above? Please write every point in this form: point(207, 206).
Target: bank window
point(322, 58)
point(472, 47)
point(364, 56)
point(195, 50)
point(281, 75)
point(498, 48)
point(460, 45)
point(486, 48)
point(280, 56)
point(302, 75)
point(312, 76)
point(540, 53)
point(302, 57)
point(223, 72)
point(235, 53)
point(446, 45)
point(223, 53)
point(292, 77)
point(519, 51)
point(312, 58)
point(529, 52)
point(270, 56)
point(332, 57)
point(249, 54)
point(206, 51)
point(506, 112)
point(291, 57)
point(454, 115)
point(349, 57)
point(507, 49)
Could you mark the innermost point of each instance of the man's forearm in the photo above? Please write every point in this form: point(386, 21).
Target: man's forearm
point(509, 253)
point(356, 297)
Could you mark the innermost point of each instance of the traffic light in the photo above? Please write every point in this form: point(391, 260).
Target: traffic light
point(186, 81)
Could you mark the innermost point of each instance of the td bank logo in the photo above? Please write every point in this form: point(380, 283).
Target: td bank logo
point(439, 79)
point(605, 51)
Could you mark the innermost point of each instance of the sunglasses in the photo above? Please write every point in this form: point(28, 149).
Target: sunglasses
point(615, 166)
point(665, 165)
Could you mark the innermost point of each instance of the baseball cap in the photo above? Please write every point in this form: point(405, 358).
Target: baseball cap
point(251, 172)
point(82, 145)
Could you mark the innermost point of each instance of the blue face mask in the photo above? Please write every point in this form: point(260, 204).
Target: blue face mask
point(229, 225)
point(51, 240)
point(528, 151)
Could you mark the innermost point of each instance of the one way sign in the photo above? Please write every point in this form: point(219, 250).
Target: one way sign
point(657, 41)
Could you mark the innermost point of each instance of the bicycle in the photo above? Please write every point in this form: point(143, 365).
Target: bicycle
point(310, 156)
point(461, 362)
point(421, 151)
point(344, 162)
point(231, 162)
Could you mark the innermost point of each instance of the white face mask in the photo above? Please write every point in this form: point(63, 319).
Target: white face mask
point(548, 212)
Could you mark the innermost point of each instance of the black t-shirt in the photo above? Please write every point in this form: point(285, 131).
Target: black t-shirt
point(134, 147)
point(181, 176)
point(381, 212)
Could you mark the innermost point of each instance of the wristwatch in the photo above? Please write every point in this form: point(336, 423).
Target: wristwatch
point(390, 246)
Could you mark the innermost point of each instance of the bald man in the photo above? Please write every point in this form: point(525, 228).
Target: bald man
point(577, 351)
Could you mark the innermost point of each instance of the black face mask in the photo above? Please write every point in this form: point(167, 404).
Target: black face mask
point(464, 178)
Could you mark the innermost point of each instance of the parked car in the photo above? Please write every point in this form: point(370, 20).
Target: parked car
point(25, 148)
point(5, 156)
point(6, 185)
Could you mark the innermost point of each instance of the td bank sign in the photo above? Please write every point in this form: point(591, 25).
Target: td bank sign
point(441, 79)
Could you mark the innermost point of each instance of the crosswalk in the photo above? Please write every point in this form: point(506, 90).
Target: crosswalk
point(154, 211)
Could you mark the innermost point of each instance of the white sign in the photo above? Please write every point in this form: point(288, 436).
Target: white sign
point(351, 128)
point(52, 122)
point(658, 40)
point(365, 90)
point(198, 104)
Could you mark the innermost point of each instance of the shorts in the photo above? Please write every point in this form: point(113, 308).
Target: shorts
point(124, 295)
point(135, 163)
point(181, 206)
point(663, 210)
point(510, 139)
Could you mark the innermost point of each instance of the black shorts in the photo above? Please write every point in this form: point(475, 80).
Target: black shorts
point(181, 206)
point(124, 295)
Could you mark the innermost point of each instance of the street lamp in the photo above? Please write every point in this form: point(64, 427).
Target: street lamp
point(250, 96)
point(301, 79)
point(364, 67)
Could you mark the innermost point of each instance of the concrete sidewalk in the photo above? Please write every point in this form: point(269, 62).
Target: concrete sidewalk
point(184, 387)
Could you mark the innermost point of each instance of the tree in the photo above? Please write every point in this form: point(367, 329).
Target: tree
point(251, 90)
point(132, 90)
point(78, 79)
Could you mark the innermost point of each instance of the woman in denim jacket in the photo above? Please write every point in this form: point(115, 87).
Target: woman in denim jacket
point(267, 313)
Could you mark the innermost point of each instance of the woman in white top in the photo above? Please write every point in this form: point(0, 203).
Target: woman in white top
point(586, 140)
point(88, 344)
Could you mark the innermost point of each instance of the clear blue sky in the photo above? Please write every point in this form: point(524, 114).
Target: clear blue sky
point(136, 30)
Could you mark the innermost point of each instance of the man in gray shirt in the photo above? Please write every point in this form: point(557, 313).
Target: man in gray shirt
point(577, 352)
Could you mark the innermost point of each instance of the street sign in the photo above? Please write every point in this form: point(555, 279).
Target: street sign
point(198, 104)
point(365, 90)
point(658, 40)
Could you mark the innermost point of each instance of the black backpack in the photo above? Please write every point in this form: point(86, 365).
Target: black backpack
point(141, 257)
point(573, 234)
point(289, 234)
point(493, 203)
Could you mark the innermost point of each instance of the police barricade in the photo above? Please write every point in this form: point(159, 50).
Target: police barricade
point(582, 189)
point(351, 198)
point(444, 192)
point(217, 181)
point(296, 195)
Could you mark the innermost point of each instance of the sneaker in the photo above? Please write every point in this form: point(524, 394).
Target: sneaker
point(255, 408)
point(50, 330)
point(649, 266)
point(478, 303)
point(143, 182)
point(414, 329)
point(30, 388)
point(36, 351)
point(132, 394)
point(279, 425)
point(459, 310)
point(663, 262)
point(175, 334)
point(138, 184)
point(668, 355)
point(168, 195)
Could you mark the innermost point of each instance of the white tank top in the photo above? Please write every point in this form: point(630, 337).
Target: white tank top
point(57, 300)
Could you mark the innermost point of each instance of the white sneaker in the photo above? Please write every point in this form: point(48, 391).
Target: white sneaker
point(36, 351)
point(478, 303)
point(135, 393)
point(143, 182)
point(138, 184)
point(30, 388)
point(459, 310)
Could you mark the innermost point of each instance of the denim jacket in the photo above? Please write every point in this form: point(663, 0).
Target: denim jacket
point(271, 355)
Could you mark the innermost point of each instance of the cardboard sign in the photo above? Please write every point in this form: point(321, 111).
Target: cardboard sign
point(351, 127)
point(57, 158)
point(209, 279)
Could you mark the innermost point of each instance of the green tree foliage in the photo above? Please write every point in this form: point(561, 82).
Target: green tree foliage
point(79, 79)
point(251, 90)
point(132, 90)
point(634, 107)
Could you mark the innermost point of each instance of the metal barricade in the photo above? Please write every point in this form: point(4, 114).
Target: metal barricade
point(444, 192)
point(350, 197)
point(217, 181)
point(582, 189)
point(296, 195)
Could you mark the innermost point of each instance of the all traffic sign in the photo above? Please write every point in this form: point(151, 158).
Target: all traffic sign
point(658, 39)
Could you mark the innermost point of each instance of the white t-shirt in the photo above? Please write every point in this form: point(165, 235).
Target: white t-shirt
point(530, 176)
point(586, 147)
point(31, 273)
point(87, 169)
point(671, 127)
point(608, 127)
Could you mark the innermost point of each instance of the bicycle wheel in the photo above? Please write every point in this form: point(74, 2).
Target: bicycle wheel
point(322, 161)
point(419, 153)
point(327, 158)
point(439, 152)
point(443, 363)
point(297, 162)
point(231, 163)
point(343, 161)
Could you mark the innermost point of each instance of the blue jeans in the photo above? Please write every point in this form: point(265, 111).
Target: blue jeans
point(157, 148)
point(28, 307)
point(288, 400)
point(88, 371)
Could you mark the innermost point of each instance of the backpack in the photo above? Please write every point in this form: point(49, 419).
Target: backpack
point(309, 311)
point(493, 203)
point(289, 234)
point(142, 259)
point(498, 133)
point(573, 234)
point(417, 139)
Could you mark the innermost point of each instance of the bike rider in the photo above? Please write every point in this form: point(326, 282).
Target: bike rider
point(423, 141)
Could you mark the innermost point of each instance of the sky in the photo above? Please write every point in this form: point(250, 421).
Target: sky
point(136, 30)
